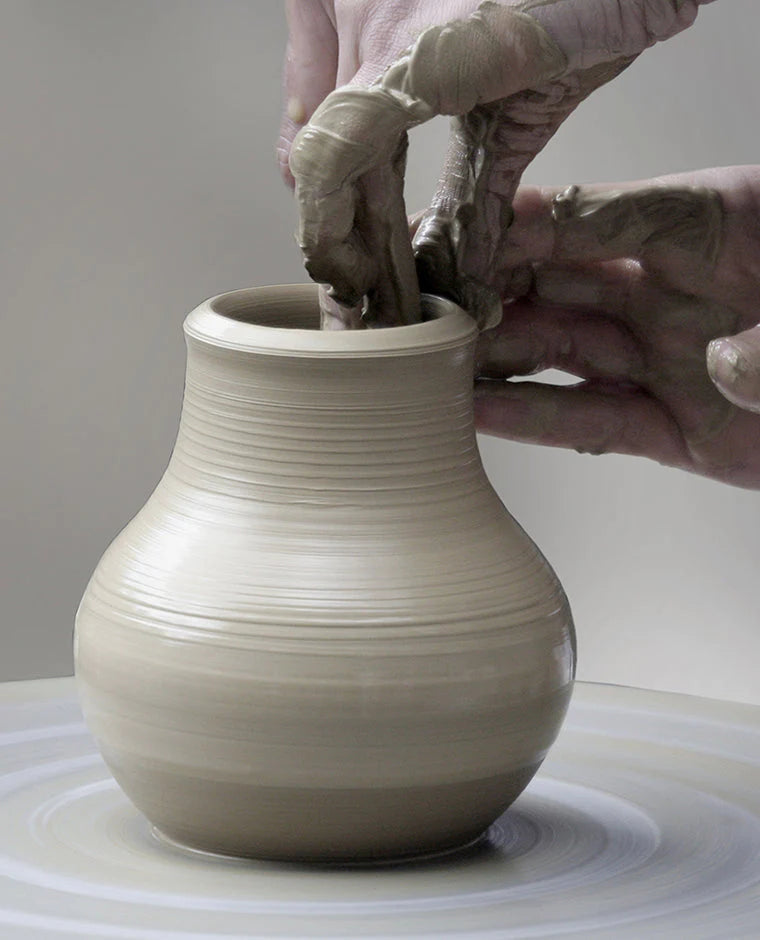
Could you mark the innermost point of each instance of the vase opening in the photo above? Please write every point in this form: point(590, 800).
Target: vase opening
point(294, 307)
point(286, 318)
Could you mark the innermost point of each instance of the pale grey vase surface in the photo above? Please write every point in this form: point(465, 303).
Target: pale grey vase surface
point(324, 637)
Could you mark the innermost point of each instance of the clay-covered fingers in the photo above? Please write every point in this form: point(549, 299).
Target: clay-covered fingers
point(493, 144)
point(590, 418)
point(496, 51)
point(309, 71)
point(511, 72)
point(359, 131)
point(666, 226)
point(734, 366)
point(471, 212)
point(348, 163)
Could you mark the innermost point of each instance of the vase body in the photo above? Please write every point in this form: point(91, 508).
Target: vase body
point(323, 637)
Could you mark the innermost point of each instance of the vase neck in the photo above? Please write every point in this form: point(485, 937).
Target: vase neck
point(281, 428)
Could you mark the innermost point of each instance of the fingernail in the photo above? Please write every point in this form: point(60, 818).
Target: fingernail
point(735, 372)
point(564, 204)
point(296, 110)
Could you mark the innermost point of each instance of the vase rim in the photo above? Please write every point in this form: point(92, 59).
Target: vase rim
point(278, 319)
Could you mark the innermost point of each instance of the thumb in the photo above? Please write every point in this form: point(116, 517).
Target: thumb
point(734, 366)
point(311, 62)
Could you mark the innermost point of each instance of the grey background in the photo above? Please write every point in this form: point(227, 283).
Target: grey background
point(137, 178)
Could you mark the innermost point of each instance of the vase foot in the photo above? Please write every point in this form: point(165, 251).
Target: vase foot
point(460, 848)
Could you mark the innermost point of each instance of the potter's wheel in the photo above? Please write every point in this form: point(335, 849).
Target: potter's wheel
point(643, 822)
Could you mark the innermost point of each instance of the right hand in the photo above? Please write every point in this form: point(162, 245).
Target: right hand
point(510, 73)
point(628, 287)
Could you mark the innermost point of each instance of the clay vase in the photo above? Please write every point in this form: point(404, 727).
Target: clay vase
point(323, 637)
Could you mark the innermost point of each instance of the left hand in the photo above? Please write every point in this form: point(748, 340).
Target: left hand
point(627, 287)
point(509, 72)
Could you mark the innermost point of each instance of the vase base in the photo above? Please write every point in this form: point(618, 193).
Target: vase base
point(340, 825)
point(460, 848)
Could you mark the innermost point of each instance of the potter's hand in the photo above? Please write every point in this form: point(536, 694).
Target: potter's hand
point(510, 72)
point(646, 292)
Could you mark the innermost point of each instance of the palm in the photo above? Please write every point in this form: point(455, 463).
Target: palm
point(631, 314)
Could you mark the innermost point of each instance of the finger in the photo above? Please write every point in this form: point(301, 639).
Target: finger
point(653, 224)
point(486, 56)
point(414, 221)
point(440, 233)
point(334, 316)
point(593, 31)
point(733, 363)
point(672, 328)
point(667, 331)
point(532, 338)
point(448, 69)
point(661, 225)
point(460, 246)
point(394, 298)
point(615, 288)
point(353, 132)
point(588, 418)
point(332, 250)
point(309, 73)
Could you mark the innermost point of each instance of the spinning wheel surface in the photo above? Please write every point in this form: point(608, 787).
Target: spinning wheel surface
point(643, 822)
